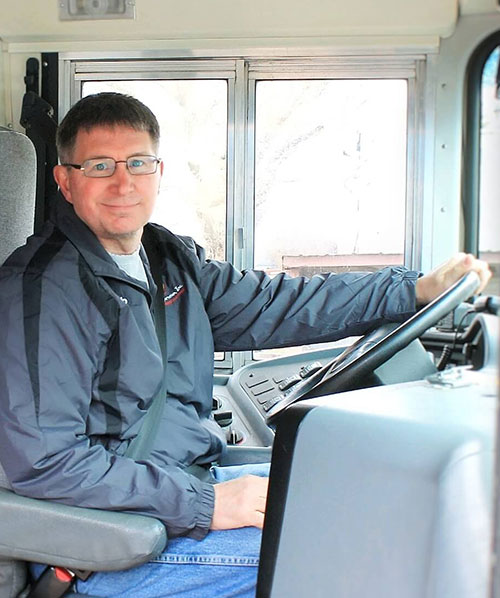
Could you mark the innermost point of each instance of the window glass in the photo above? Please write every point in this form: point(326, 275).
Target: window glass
point(193, 122)
point(489, 206)
point(330, 178)
point(330, 175)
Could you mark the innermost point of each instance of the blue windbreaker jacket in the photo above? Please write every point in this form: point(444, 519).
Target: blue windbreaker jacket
point(80, 362)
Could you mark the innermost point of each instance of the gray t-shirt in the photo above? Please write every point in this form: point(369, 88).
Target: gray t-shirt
point(131, 264)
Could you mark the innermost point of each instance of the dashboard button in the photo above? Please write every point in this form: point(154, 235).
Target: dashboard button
point(261, 389)
point(255, 380)
point(309, 370)
point(234, 436)
point(289, 381)
point(216, 403)
point(223, 418)
point(271, 403)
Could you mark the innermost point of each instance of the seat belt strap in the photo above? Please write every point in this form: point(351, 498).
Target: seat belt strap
point(55, 581)
point(141, 445)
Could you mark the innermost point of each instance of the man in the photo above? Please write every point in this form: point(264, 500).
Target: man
point(81, 361)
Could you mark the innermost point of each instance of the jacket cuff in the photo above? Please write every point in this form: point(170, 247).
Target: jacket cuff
point(407, 304)
point(205, 512)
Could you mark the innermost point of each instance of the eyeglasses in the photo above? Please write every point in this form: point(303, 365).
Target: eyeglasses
point(104, 167)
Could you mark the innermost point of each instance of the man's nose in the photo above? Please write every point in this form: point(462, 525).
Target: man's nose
point(122, 177)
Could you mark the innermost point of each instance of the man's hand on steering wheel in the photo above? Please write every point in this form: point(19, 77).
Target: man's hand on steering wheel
point(431, 285)
point(441, 291)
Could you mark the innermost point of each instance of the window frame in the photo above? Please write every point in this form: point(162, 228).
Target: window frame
point(472, 140)
point(242, 75)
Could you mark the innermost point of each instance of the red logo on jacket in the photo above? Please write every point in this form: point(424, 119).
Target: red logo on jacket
point(172, 297)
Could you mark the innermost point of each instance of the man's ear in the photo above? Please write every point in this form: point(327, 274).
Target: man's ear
point(61, 176)
point(161, 174)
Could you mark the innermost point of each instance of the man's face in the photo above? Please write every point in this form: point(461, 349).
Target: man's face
point(115, 208)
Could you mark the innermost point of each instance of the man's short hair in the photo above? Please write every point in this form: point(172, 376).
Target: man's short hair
point(106, 109)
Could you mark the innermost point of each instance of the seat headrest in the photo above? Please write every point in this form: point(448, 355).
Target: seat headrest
point(17, 190)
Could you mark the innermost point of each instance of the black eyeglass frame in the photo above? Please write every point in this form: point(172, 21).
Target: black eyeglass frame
point(81, 166)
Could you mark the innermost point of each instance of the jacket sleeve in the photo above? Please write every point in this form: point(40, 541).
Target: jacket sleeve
point(46, 373)
point(250, 310)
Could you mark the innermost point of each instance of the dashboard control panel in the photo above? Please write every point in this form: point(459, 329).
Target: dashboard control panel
point(267, 390)
point(250, 392)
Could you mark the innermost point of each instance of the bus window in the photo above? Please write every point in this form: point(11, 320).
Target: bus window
point(192, 114)
point(330, 175)
point(489, 178)
point(193, 122)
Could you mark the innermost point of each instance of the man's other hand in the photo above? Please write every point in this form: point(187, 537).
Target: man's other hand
point(434, 283)
point(240, 503)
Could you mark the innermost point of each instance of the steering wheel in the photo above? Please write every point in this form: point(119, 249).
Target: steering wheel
point(375, 348)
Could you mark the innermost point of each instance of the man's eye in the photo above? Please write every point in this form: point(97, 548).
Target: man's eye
point(136, 163)
point(98, 166)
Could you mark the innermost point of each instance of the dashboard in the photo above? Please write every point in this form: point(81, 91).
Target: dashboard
point(247, 394)
point(243, 400)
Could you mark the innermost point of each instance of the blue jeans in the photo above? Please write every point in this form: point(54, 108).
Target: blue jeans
point(222, 565)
